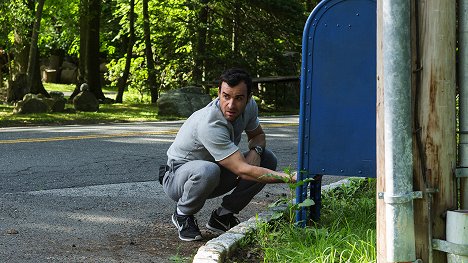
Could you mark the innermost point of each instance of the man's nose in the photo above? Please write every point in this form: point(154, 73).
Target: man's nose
point(230, 103)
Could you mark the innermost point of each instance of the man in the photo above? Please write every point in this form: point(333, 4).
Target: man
point(204, 160)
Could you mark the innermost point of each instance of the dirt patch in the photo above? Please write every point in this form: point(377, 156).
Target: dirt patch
point(250, 253)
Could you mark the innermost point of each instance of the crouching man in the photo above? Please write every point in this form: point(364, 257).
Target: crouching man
point(204, 161)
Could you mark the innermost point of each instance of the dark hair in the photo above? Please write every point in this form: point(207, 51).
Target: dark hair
point(234, 76)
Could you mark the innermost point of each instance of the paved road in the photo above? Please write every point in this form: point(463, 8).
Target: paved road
point(89, 193)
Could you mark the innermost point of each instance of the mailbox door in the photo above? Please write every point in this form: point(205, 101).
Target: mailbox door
point(338, 90)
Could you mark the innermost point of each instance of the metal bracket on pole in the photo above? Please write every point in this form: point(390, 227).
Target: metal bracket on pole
point(449, 247)
point(399, 199)
point(461, 172)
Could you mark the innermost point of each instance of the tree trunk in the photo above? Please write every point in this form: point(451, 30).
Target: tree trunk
point(36, 80)
point(435, 97)
point(83, 44)
point(152, 83)
point(25, 43)
point(33, 54)
point(200, 51)
point(122, 82)
point(17, 84)
point(92, 49)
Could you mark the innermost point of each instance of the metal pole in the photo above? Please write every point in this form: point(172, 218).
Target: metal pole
point(398, 196)
point(463, 98)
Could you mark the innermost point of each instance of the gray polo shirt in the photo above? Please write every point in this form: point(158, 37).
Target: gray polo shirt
point(207, 135)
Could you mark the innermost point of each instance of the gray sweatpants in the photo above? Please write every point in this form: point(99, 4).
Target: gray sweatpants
point(192, 183)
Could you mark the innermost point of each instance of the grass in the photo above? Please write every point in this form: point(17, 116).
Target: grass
point(345, 233)
point(71, 87)
point(107, 113)
point(129, 111)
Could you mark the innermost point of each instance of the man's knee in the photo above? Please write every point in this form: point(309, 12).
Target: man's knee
point(207, 172)
point(269, 160)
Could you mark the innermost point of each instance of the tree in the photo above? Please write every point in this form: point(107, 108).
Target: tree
point(122, 82)
point(200, 48)
point(23, 27)
point(92, 74)
point(34, 83)
point(152, 83)
point(176, 42)
point(90, 15)
point(83, 44)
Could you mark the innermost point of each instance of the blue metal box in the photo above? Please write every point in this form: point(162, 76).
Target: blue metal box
point(337, 133)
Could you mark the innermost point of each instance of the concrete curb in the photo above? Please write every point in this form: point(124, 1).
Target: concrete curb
point(217, 249)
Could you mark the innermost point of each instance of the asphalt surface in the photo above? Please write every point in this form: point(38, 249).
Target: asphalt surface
point(90, 193)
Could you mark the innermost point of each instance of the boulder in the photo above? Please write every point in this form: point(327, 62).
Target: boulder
point(182, 102)
point(85, 100)
point(31, 104)
point(68, 65)
point(69, 76)
point(56, 102)
point(39, 104)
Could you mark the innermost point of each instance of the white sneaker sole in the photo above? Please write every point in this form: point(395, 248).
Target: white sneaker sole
point(174, 221)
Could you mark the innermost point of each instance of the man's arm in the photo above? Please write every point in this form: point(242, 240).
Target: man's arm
point(256, 137)
point(237, 164)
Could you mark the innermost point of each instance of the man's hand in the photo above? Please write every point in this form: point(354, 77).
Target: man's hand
point(294, 177)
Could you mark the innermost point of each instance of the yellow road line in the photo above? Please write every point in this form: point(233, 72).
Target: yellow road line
point(114, 135)
point(90, 136)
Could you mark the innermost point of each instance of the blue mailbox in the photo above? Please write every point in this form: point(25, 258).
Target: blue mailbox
point(338, 95)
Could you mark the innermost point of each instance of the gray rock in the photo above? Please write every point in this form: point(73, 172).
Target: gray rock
point(69, 76)
point(68, 65)
point(85, 101)
point(56, 104)
point(56, 94)
point(182, 102)
point(31, 104)
point(39, 104)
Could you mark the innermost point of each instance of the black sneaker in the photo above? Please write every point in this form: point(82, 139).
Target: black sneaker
point(187, 227)
point(221, 224)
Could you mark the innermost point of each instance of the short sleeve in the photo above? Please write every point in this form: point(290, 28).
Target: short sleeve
point(252, 115)
point(216, 139)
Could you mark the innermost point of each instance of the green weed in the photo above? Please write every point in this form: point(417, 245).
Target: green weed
point(345, 233)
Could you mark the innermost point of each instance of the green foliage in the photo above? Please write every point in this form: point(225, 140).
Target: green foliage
point(17, 23)
point(293, 207)
point(127, 112)
point(262, 36)
point(346, 232)
point(139, 92)
point(107, 113)
point(60, 27)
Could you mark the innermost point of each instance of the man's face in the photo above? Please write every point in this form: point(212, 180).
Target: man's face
point(232, 100)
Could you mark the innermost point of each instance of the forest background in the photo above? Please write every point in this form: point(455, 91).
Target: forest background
point(150, 46)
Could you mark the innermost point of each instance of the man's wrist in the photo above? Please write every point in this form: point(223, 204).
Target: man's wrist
point(258, 149)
